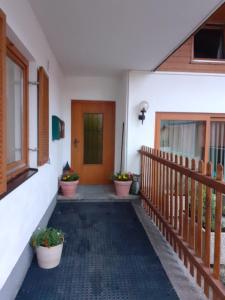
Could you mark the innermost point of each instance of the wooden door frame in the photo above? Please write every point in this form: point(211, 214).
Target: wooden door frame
point(113, 103)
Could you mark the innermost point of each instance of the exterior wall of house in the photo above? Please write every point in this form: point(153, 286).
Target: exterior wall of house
point(96, 88)
point(182, 61)
point(167, 92)
point(22, 210)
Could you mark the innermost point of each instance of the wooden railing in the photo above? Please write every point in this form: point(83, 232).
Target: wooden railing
point(185, 202)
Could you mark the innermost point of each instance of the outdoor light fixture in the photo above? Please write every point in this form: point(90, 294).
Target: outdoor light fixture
point(143, 109)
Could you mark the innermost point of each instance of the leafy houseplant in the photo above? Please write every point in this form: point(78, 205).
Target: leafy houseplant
point(123, 176)
point(213, 222)
point(68, 183)
point(70, 177)
point(213, 211)
point(122, 182)
point(48, 244)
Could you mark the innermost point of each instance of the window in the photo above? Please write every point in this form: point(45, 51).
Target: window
point(209, 43)
point(16, 111)
point(198, 136)
point(13, 114)
point(185, 137)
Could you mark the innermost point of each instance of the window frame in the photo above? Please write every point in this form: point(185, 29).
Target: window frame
point(3, 183)
point(17, 167)
point(188, 116)
point(207, 60)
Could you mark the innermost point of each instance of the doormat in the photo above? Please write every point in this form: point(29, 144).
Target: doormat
point(106, 256)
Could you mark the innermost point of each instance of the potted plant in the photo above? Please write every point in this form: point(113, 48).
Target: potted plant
point(213, 219)
point(48, 244)
point(212, 235)
point(122, 182)
point(68, 184)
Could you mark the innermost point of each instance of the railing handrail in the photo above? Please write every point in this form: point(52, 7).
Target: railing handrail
point(204, 179)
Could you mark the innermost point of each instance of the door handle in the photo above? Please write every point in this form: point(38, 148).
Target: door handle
point(76, 142)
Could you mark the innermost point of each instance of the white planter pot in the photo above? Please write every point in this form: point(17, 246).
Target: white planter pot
point(49, 257)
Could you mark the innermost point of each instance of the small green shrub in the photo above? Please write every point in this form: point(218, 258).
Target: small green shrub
point(122, 176)
point(213, 211)
point(212, 208)
point(70, 177)
point(47, 237)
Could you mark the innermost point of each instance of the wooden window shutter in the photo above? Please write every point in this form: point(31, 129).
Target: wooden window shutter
point(3, 179)
point(43, 117)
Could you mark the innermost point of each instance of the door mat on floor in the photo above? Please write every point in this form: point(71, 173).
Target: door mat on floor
point(106, 256)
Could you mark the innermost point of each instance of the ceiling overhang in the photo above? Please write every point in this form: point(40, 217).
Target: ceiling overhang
point(107, 37)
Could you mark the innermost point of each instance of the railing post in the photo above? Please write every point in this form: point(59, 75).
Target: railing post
point(176, 195)
point(186, 190)
point(199, 206)
point(208, 217)
point(218, 220)
point(167, 189)
point(181, 200)
point(192, 209)
point(142, 173)
point(157, 186)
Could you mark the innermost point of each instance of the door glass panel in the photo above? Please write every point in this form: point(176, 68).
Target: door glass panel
point(93, 138)
point(186, 138)
point(14, 90)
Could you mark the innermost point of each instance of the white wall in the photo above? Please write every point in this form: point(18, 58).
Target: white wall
point(96, 88)
point(170, 92)
point(22, 209)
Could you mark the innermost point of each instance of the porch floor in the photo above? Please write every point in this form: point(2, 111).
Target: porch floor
point(112, 251)
point(97, 193)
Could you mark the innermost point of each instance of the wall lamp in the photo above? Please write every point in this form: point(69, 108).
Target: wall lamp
point(143, 106)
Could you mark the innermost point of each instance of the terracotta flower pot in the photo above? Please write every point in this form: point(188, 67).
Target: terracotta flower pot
point(49, 257)
point(122, 187)
point(69, 187)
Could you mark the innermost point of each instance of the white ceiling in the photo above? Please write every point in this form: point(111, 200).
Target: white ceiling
point(106, 37)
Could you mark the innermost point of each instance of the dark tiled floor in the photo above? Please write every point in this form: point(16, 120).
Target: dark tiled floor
point(107, 256)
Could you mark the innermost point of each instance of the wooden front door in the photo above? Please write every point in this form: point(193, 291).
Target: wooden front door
point(93, 140)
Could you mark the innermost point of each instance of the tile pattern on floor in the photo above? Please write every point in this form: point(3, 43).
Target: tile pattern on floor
point(107, 256)
point(179, 276)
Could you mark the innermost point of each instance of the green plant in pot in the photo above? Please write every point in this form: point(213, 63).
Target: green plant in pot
point(122, 183)
point(48, 244)
point(213, 211)
point(69, 183)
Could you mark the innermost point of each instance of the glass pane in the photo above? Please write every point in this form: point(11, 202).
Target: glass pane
point(217, 144)
point(186, 138)
point(93, 138)
point(209, 43)
point(14, 106)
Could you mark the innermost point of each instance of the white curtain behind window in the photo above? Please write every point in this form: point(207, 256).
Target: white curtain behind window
point(186, 138)
point(14, 107)
point(217, 144)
